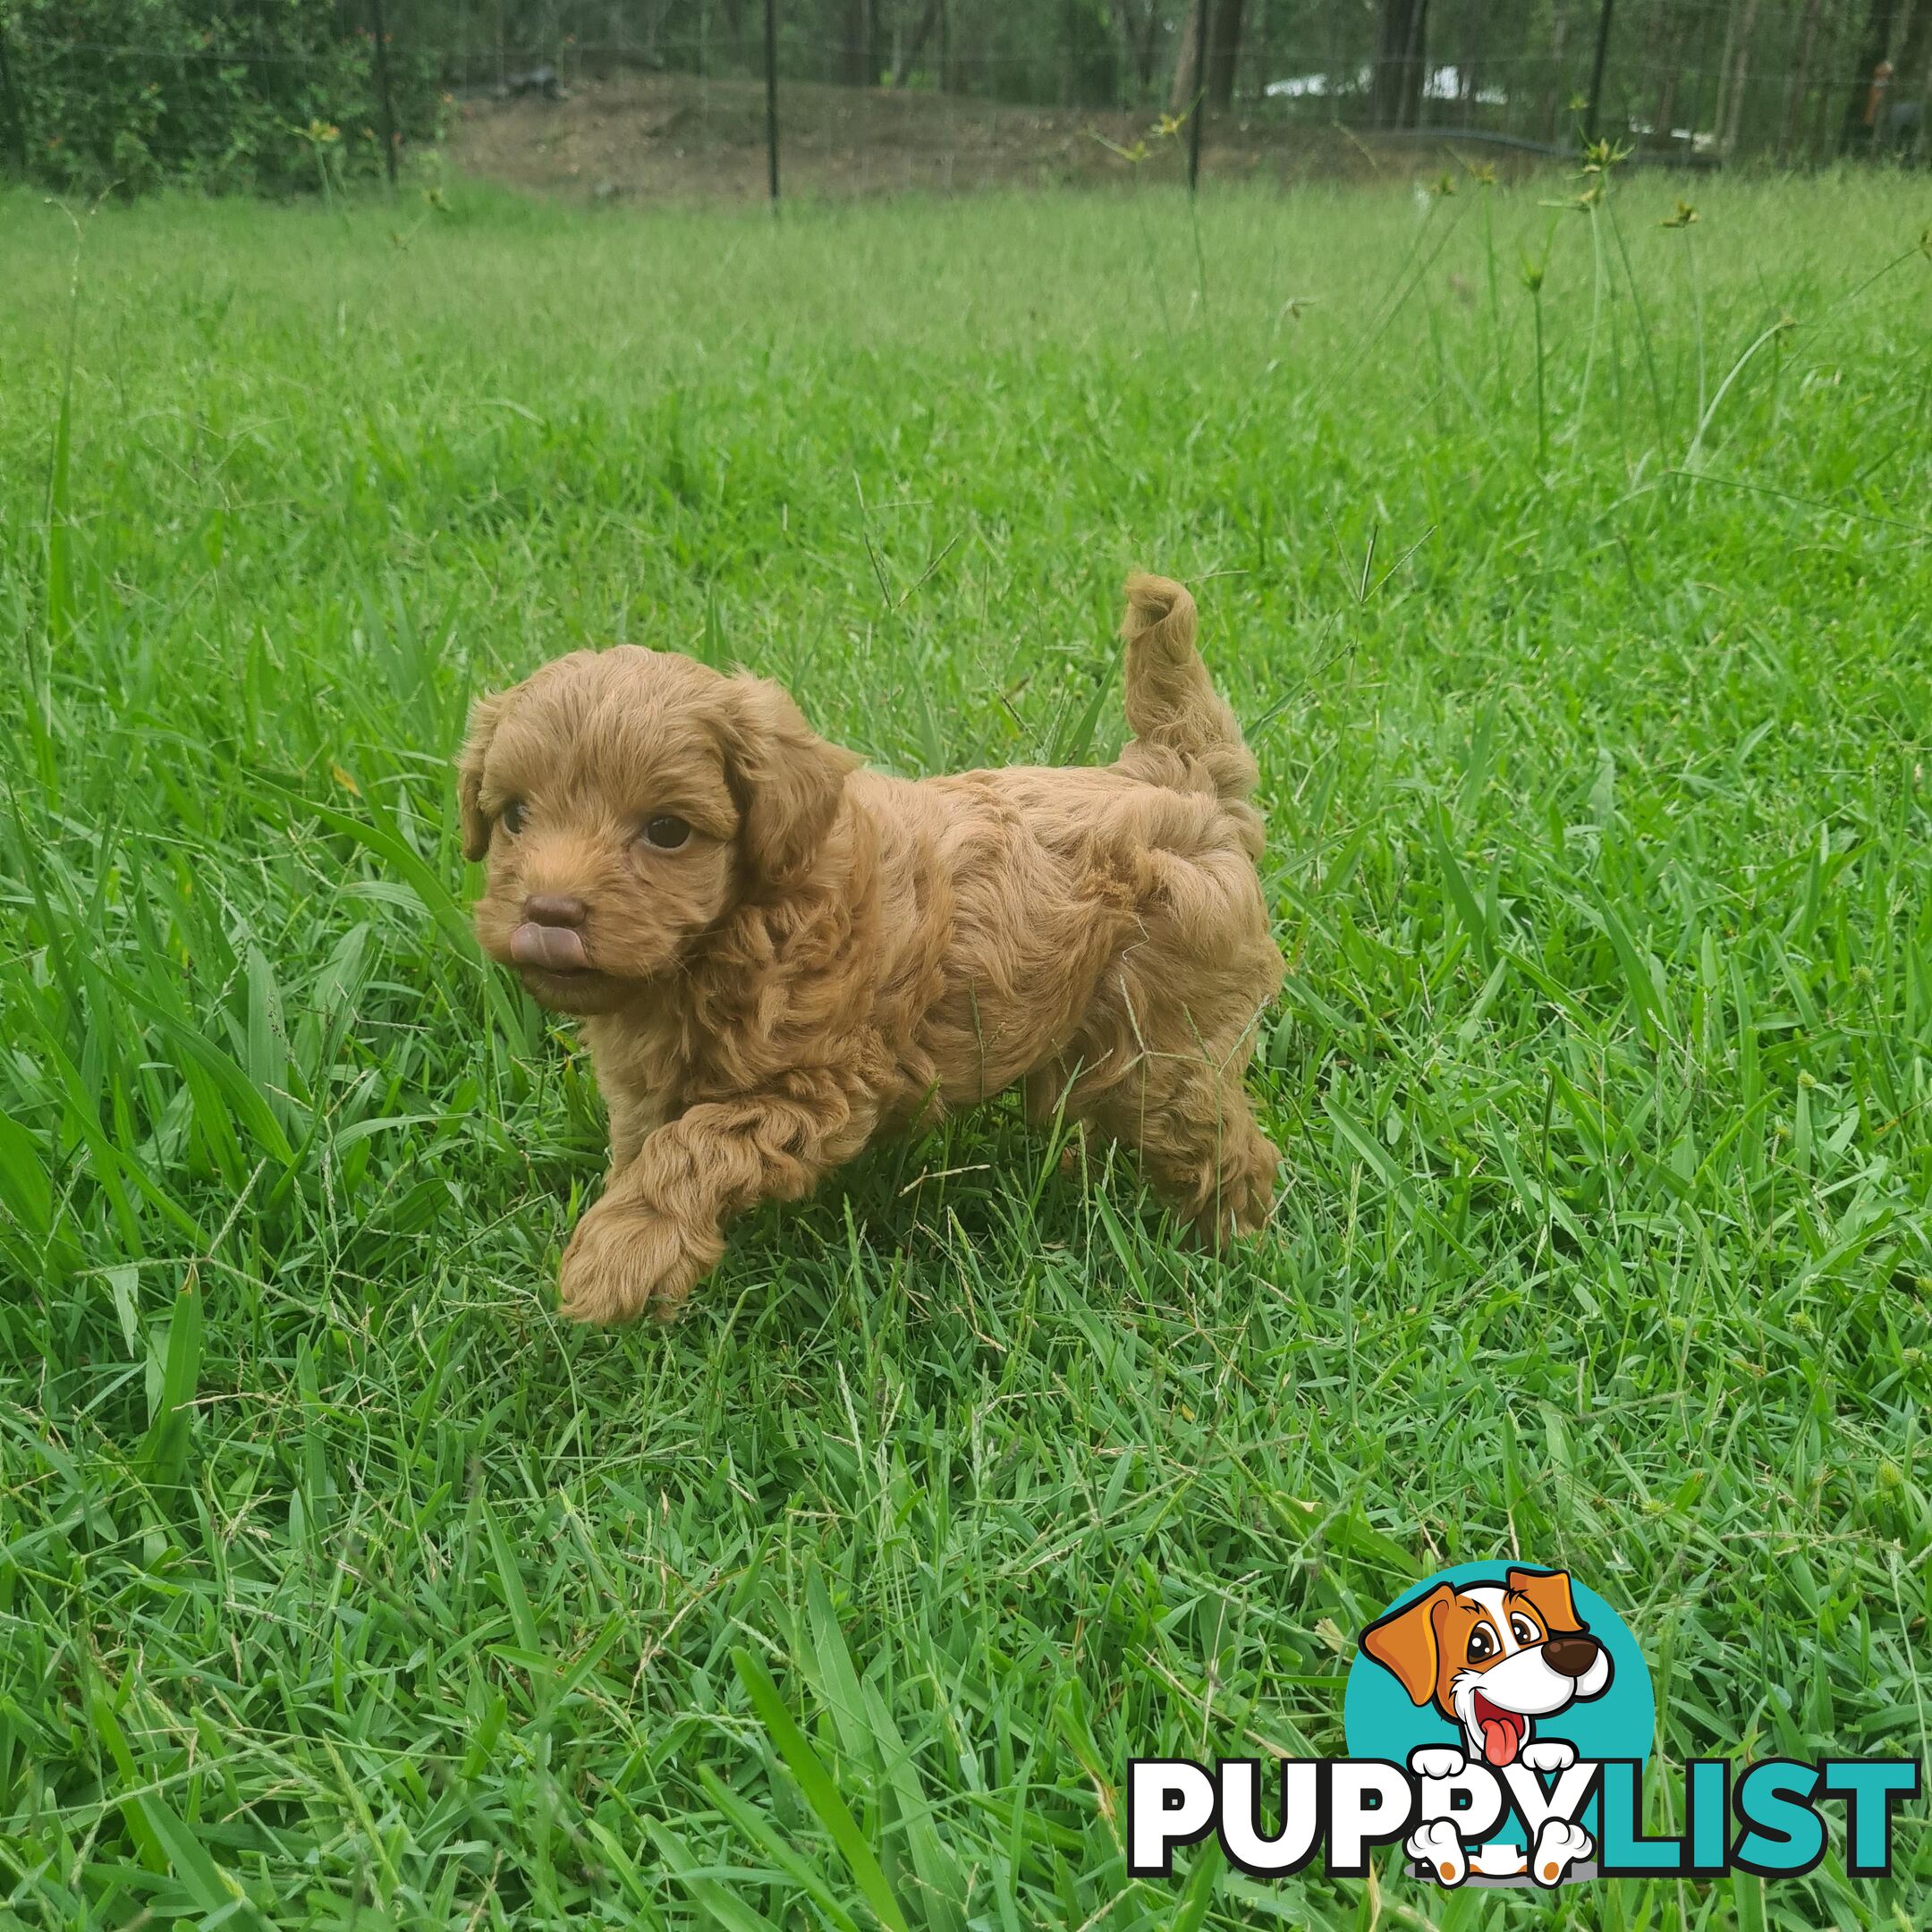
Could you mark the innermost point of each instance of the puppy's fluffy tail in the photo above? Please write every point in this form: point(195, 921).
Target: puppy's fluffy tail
point(1171, 705)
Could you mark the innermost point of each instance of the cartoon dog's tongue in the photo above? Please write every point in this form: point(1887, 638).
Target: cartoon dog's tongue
point(1502, 1731)
point(556, 948)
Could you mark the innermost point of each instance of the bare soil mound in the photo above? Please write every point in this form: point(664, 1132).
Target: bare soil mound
point(657, 137)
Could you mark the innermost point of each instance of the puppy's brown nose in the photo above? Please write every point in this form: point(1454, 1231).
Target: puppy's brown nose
point(553, 909)
point(1571, 1657)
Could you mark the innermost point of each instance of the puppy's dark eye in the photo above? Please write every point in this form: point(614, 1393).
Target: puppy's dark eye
point(666, 832)
point(1481, 1644)
point(1524, 1630)
point(515, 817)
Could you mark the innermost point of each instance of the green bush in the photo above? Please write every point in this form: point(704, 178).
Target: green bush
point(137, 94)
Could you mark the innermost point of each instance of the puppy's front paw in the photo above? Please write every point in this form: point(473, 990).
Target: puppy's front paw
point(1549, 1754)
point(1253, 1203)
point(1437, 1762)
point(623, 1262)
point(1559, 1845)
point(1438, 1845)
point(1242, 1202)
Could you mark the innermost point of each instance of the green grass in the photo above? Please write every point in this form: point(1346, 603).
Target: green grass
point(1590, 687)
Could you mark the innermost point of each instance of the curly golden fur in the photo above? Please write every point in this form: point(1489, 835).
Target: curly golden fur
point(776, 954)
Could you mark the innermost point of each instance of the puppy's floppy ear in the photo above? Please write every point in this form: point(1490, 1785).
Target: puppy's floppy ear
point(485, 716)
point(1548, 1591)
point(785, 780)
point(1404, 1642)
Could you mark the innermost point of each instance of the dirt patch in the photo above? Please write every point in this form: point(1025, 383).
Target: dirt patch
point(661, 137)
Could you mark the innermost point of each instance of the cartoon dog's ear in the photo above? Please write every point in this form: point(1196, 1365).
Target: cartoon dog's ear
point(1548, 1591)
point(785, 780)
point(485, 716)
point(1404, 1641)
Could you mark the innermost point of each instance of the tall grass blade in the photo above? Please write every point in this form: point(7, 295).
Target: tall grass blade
point(819, 1792)
point(163, 1452)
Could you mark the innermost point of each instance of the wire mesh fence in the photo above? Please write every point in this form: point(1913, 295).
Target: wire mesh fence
point(681, 97)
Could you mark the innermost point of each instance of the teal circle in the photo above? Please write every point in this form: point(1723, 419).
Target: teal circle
point(1378, 1721)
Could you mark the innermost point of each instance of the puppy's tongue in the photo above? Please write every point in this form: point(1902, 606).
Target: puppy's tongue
point(554, 948)
point(1499, 1741)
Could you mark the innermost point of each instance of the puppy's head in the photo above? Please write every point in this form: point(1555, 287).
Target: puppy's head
point(624, 802)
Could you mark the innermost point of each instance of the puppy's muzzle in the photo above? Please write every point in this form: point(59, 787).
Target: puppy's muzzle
point(550, 936)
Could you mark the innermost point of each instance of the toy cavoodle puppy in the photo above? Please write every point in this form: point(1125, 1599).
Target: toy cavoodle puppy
point(776, 954)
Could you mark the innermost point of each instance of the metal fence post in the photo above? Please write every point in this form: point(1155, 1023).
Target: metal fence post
point(382, 88)
point(771, 96)
point(16, 115)
point(1200, 94)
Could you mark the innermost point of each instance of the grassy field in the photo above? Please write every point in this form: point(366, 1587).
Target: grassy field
point(1581, 628)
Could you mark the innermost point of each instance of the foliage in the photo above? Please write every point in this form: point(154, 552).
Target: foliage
point(280, 93)
point(1591, 694)
point(1691, 76)
point(139, 94)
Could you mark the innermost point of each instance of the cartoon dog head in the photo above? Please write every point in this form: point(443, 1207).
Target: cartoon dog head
point(1493, 1657)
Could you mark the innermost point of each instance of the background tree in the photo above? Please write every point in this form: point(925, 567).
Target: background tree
point(1798, 86)
point(1731, 117)
point(1401, 61)
point(1224, 51)
point(1224, 57)
point(1856, 131)
point(1181, 88)
point(1670, 32)
point(1141, 28)
point(862, 42)
point(1555, 86)
point(912, 45)
point(1913, 79)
